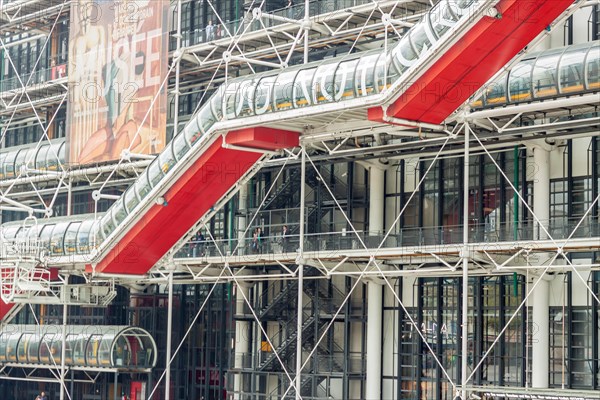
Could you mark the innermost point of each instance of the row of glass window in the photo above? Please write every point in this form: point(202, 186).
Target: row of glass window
point(306, 85)
point(562, 71)
point(60, 238)
point(109, 346)
point(43, 156)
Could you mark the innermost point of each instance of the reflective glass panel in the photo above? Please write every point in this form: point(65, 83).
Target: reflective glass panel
point(519, 81)
point(118, 211)
point(284, 87)
point(205, 120)
point(229, 99)
point(9, 164)
point(344, 80)
point(180, 147)
point(154, 173)
point(107, 225)
point(58, 237)
point(365, 74)
point(323, 87)
point(83, 236)
point(303, 88)
point(593, 68)
point(216, 103)
point(544, 75)
point(71, 238)
point(33, 350)
point(46, 234)
point(142, 187)
point(571, 70)
point(11, 346)
point(40, 158)
point(264, 94)
point(167, 158)
point(23, 346)
point(91, 353)
point(2, 164)
point(244, 102)
point(131, 200)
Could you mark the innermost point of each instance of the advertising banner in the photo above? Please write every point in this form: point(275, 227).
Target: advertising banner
point(117, 63)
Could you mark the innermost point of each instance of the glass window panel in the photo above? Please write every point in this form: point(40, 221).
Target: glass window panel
point(544, 75)
point(180, 146)
point(263, 95)
point(519, 81)
point(71, 238)
point(192, 131)
point(55, 152)
point(229, 99)
point(33, 350)
point(2, 164)
point(216, 103)
point(206, 120)
point(9, 164)
point(344, 80)
point(284, 88)
point(92, 349)
point(303, 88)
point(323, 87)
point(404, 54)
point(593, 67)
point(30, 157)
point(142, 187)
point(23, 347)
point(83, 237)
point(154, 173)
point(10, 232)
point(107, 225)
point(11, 347)
point(46, 234)
point(244, 103)
point(40, 159)
point(571, 70)
point(57, 238)
point(118, 212)
point(131, 199)
point(365, 74)
point(167, 158)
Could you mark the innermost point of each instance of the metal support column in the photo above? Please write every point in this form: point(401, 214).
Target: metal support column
point(169, 328)
point(116, 383)
point(63, 352)
point(306, 29)
point(300, 273)
point(374, 339)
point(465, 274)
point(177, 59)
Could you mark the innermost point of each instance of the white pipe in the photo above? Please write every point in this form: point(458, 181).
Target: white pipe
point(541, 188)
point(532, 107)
point(376, 200)
point(74, 173)
point(374, 327)
point(465, 271)
point(540, 343)
point(169, 338)
point(301, 270)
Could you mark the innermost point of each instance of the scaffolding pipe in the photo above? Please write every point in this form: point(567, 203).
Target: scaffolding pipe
point(300, 276)
point(465, 275)
point(63, 352)
point(169, 335)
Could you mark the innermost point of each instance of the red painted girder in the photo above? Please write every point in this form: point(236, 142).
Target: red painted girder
point(187, 200)
point(473, 60)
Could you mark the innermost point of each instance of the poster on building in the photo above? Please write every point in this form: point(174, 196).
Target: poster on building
point(117, 64)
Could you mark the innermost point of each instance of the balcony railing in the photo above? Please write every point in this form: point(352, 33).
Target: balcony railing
point(559, 229)
point(296, 12)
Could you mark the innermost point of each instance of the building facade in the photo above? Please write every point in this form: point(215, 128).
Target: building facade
point(358, 272)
